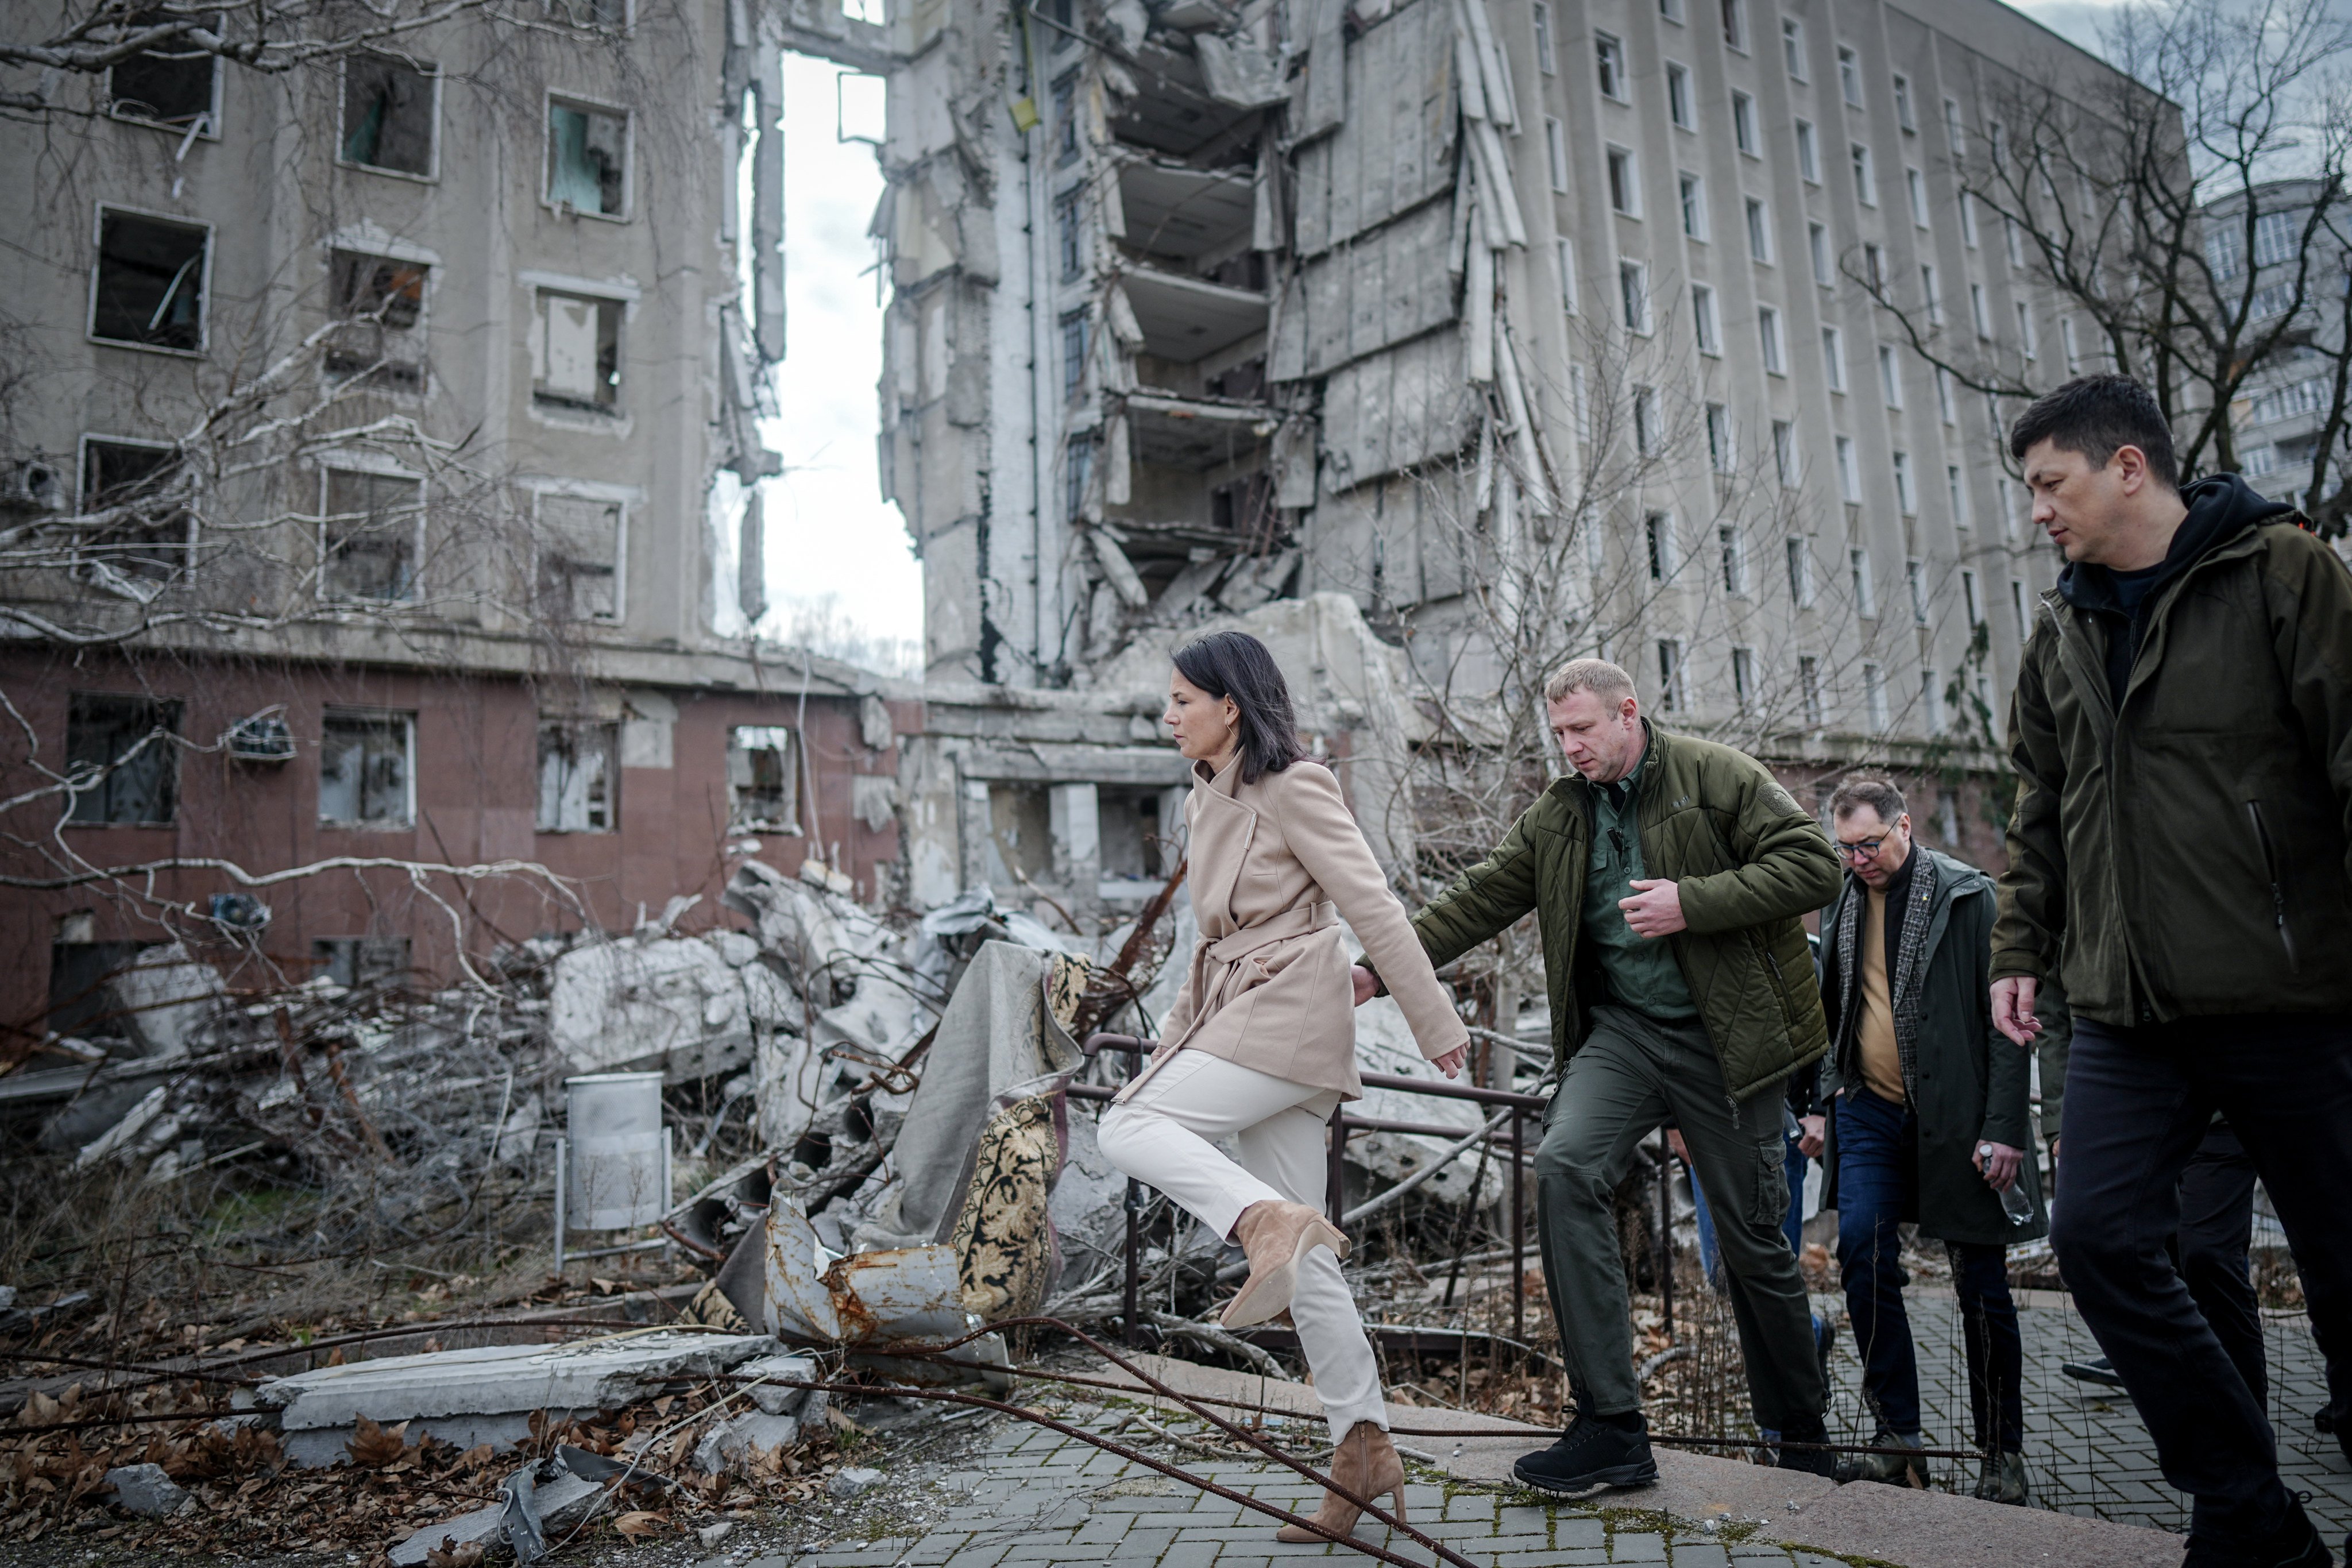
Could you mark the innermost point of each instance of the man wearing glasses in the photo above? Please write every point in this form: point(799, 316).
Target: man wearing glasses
point(2182, 738)
point(1929, 1122)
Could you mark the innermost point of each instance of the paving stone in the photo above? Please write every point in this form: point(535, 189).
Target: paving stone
point(1628, 1546)
point(1700, 1554)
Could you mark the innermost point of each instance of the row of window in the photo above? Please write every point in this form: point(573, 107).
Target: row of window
point(371, 538)
point(1813, 696)
point(123, 752)
point(1662, 546)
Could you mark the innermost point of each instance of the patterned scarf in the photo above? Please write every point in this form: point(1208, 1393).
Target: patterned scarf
point(1908, 961)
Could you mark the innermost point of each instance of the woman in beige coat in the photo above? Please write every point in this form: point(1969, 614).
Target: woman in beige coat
point(1260, 1045)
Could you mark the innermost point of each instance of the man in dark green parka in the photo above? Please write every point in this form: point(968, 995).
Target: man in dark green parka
point(1929, 1121)
point(1668, 877)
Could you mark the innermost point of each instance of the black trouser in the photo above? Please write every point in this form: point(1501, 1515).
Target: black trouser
point(2139, 1103)
point(2216, 1228)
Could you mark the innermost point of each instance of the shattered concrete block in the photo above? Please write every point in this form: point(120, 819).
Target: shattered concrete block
point(774, 1398)
point(491, 1380)
point(848, 1483)
point(164, 997)
point(561, 1504)
point(671, 1002)
point(145, 1489)
point(732, 1443)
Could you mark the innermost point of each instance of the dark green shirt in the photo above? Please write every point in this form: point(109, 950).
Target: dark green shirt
point(1641, 970)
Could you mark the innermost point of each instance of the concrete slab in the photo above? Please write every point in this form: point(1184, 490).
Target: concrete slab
point(1938, 1529)
point(490, 1380)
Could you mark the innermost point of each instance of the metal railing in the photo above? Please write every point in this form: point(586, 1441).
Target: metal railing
point(1516, 1104)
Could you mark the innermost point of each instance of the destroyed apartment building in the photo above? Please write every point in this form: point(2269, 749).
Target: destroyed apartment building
point(380, 488)
point(1438, 341)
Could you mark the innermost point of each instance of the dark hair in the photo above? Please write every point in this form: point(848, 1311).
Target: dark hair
point(1236, 664)
point(1875, 791)
point(2093, 415)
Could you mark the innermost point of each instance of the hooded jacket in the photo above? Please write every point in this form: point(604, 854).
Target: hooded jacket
point(2184, 809)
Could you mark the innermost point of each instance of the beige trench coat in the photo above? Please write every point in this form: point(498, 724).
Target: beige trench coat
point(1275, 866)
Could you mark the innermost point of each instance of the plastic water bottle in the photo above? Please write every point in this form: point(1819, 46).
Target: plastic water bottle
point(2016, 1203)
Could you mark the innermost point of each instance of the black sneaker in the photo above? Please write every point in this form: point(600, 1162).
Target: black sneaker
point(1591, 1453)
point(1809, 1461)
point(2098, 1369)
point(2295, 1543)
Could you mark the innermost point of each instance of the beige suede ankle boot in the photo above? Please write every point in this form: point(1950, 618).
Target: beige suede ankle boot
point(1366, 1463)
point(1275, 1236)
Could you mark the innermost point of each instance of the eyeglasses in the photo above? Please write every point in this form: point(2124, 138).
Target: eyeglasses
point(1867, 849)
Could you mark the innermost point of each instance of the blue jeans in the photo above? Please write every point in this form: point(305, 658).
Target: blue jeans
point(1878, 1180)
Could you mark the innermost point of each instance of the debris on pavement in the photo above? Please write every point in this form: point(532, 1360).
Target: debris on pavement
point(145, 1489)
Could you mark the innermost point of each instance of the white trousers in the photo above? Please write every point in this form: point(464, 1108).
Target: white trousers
point(1161, 1137)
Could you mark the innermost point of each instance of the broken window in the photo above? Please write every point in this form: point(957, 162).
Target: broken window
point(1020, 844)
point(1074, 355)
point(1065, 119)
point(587, 159)
point(171, 86)
point(388, 113)
point(151, 539)
point(363, 770)
point(123, 754)
point(355, 961)
point(762, 778)
point(150, 286)
point(1243, 507)
point(380, 301)
point(578, 352)
point(576, 775)
point(580, 557)
point(1134, 837)
point(367, 542)
point(1071, 243)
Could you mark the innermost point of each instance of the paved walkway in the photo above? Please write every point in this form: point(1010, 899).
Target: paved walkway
point(2088, 1451)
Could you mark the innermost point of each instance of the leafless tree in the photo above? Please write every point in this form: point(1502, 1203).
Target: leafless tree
point(2205, 251)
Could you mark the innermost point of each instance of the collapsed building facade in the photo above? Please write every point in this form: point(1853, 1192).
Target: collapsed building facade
point(1375, 323)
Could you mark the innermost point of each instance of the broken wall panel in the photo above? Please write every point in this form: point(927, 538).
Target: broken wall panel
point(1397, 409)
point(1396, 148)
point(1387, 287)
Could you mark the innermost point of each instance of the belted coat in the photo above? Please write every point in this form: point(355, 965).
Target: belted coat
point(1275, 865)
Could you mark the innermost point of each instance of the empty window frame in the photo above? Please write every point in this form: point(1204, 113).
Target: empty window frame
point(587, 158)
point(1955, 493)
point(2066, 343)
point(1658, 538)
point(150, 282)
point(122, 759)
point(1759, 232)
point(582, 543)
point(1902, 115)
point(1890, 375)
point(1968, 221)
point(1915, 576)
point(1703, 322)
point(1546, 59)
point(1955, 139)
point(1808, 689)
point(1069, 237)
point(578, 770)
point(764, 778)
point(1931, 702)
point(1932, 295)
point(1865, 593)
point(390, 111)
point(1066, 143)
point(1873, 696)
point(1743, 677)
point(1567, 251)
point(151, 535)
point(1865, 180)
point(1679, 107)
point(1646, 434)
point(367, 770)
point(1906, 494)
point(1633, 291)
point(578, 352)
point(1799, 553)
point(1609, 62)
point(1850, 76)
point(1947, 405)
point(173, 87)
point(2028, 344)
point(1691, 192)
point(1624, 183)
point(1743, 123)
point(1808, 153)
point(381, 301)
point(1768, 333)
point(2017, 607)
point(1074, 355)
point(1970, 600)
point(1848, 472)
point(1735, 26)
point(1784, 451)
point(1793, 47)
point(1722, 454)
point(1672, 698)
point(1977, 309)
point(2014, 241)
point(354, 962)
point(1834, 358)
point(1733, 553)
point(1817, 245)
point(368, 545)
point(1672, 10)
point(1556, 152)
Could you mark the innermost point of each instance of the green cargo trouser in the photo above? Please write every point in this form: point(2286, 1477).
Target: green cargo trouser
point(1632, 1074)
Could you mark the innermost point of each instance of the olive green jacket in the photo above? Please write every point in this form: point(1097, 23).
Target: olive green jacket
point(1748, 863)
point(2184, 853)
